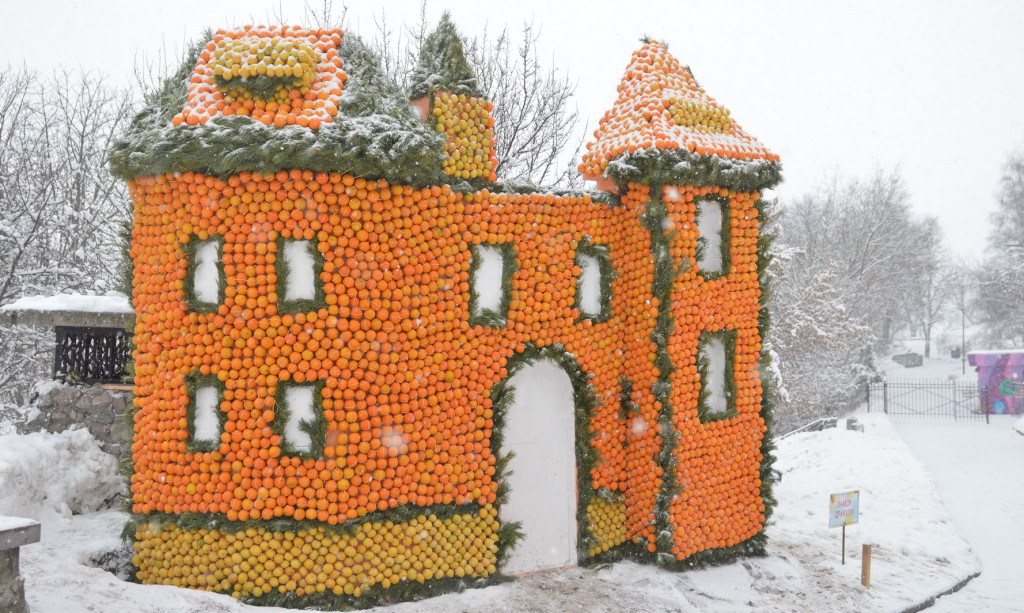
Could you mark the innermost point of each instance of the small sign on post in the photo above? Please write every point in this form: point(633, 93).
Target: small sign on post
point(843, 510)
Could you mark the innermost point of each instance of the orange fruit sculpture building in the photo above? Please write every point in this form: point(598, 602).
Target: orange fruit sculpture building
point(321, 383)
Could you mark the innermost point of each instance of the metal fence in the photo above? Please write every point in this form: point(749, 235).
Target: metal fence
point(947, 399)
point(91, 355)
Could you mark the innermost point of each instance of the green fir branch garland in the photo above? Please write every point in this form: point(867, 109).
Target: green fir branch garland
point(193, 383)
point(681, 167)
point(585, 402)
point(316, 429)
point(585, 248)
point(725, 240)
point(728, 340)
point(486, 317)
point(376, 133)
point(627, 407)
point(665, 274)
point(283, 270)
point(191, 249)
point(769, 476)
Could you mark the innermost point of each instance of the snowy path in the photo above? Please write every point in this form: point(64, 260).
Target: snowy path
point(979, 472)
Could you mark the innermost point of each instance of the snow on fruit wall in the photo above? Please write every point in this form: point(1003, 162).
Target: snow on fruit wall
point(333, 368)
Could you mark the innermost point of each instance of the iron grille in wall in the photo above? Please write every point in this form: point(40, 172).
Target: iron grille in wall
point(91, 355)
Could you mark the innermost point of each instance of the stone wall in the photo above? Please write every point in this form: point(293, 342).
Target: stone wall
point(12, 590)
point(55, 407)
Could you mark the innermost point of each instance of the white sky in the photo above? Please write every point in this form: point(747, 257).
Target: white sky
point(934, 87)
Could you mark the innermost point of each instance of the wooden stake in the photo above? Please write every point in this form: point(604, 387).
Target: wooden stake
point(844, 544)
point(865, 566)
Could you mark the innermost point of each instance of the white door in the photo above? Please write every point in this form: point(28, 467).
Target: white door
point(539, 429)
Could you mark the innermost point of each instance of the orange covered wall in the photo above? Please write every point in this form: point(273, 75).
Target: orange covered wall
point(406, 377)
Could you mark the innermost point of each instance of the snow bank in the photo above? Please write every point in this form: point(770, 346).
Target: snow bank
point(918, 552)
point(48, 477)
point(110, 303)
point(1019, 426)
point(917, 549)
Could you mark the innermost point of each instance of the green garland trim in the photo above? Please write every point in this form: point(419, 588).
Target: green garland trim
point(374, 596)
point(665, 274)
point(627, 408)
point(376, 133)
point(219, 521)
point(191, 249)
point(681, 167)
point(769, 476)
point(260, 86)
point(486, 317)
point(283, 270)
point(728, 340)
point(585, 402)
point(603, 256)
point(316, 429)
point(193, 383)
point(725, 239)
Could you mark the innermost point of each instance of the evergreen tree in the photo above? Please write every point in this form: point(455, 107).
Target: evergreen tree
point(442, 64)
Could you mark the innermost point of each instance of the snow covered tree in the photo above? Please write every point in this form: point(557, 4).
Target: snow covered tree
point(865, 229)
point(823, 351)
point(442, 64)
point(1000, 298)
point(852, 266)
point(60, 210)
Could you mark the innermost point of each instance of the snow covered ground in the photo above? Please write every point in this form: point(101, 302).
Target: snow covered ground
point(918, 551)
point(979, 471)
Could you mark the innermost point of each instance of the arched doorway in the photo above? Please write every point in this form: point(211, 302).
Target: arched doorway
point(539, 429)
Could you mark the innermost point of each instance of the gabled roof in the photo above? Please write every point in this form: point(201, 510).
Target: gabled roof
point(661, 107)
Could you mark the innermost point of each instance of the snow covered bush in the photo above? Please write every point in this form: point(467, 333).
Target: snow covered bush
point(45, 476)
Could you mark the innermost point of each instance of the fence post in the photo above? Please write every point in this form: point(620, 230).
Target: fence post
point(867, 394)
point(956, 414)
point(885, 397)
point(986, 404)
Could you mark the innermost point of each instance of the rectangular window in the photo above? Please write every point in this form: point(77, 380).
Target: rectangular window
point(593, 288)
point(490, 284)
point(715, 354)
point(204, 417)
point(204, 280)
point(299, 265)
point(299, 419)
point(713, 238)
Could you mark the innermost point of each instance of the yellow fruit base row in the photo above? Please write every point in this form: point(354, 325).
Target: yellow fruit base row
point(607, 520)
point(255, 562)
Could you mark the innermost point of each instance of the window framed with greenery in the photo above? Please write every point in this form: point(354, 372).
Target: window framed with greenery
point(490, 283)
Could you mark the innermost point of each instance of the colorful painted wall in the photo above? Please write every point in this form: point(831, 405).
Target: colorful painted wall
point(1000, 374)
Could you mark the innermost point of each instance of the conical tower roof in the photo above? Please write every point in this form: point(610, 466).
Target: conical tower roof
point(661, 108)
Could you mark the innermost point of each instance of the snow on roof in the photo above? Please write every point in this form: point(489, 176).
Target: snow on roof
point(279, 75)
point(110, 303)
point(109, 311)
point(13, 523)
point(660, 106)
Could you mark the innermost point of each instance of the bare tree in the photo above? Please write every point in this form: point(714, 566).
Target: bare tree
point(61, 212)
point(534, 116)
point(536, 120)
point(928, 293)
point(1000, 297)
point(865, 228)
